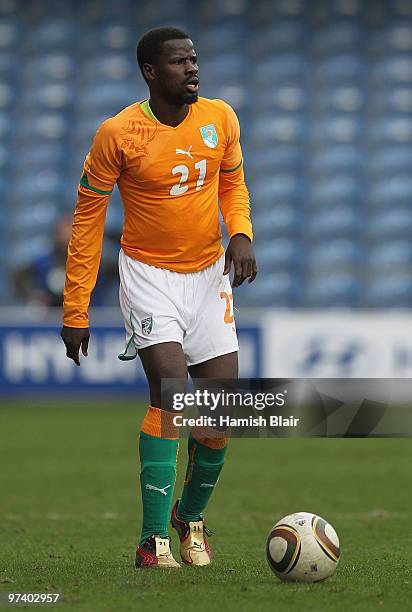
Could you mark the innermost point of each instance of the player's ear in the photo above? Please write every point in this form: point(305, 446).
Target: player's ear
point(149, 72)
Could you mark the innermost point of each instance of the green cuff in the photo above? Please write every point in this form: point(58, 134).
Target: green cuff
point(84, 182)
point(232, 169)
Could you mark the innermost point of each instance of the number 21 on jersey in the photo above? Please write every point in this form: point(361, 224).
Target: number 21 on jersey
point(181, 187)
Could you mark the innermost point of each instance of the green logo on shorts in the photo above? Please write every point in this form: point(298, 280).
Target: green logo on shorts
point(147, 325)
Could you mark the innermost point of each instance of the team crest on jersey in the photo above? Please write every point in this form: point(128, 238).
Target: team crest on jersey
point(147, 325)
point(209, 135)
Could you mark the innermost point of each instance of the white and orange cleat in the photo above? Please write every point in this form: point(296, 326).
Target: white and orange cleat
point(194, 547)
point(155, 552)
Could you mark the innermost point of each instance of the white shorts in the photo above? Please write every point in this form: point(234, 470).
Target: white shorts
point(194, 309)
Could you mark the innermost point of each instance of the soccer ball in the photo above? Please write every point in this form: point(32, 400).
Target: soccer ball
point(302, 547)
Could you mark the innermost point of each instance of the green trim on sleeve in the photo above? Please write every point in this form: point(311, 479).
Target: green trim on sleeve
point(232, 169)
point(84, 182)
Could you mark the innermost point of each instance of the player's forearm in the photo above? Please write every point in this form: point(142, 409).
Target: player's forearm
point(235, 206)
point(83, 258)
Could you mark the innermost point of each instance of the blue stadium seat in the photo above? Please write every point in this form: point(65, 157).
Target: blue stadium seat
point(283, 68)
point(337, 222)
point(6, 160)
point(222, 38)
point(273, 289)
point(118, 37)
point(10, 34)
point(340, 159)
point(36, 157)
point(105, 67)
point(49, 66)
point(38, 219)
point(345, 98)
point(390, 224)
point(338, 9)
point(280, 188)
point(281, 219)
point(229, 68)
point(57, 96)
point(338, 69)
point(277, 254)
point(268, 11)
point(386, 291)
point(340, 191)
point(3, 193)
point(396, 37)
point(236, 94)
point(281, 36)
point(396, 69)
point(397, 99)
point(85, 129)
point(108, 99)
point(6, 126)
point(8, 65)
point(42, 127)
point(395, 160)
point(268, 161)
point(338, 37)
point(39, 12)
point(391, 191)
point(402, 8)
point(336, 254)
point(336, 129)
point(45, 185)
point(97, 11)
point(393, 255)
point(52, 34)
point(335, 289)
point(168, 12)
point(283, 97)
point(279, 128)
point(391, 129)
point(8, 95)
point(25, 251)
point(212, 11)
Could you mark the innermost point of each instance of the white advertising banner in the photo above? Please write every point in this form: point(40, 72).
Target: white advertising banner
point(332, 344)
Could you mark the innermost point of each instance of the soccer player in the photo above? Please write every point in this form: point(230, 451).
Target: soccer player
point(176, 159)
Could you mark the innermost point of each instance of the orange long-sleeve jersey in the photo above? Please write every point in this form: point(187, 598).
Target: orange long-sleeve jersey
point(171, 181)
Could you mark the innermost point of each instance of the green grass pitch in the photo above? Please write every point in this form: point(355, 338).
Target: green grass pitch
point(70, 507)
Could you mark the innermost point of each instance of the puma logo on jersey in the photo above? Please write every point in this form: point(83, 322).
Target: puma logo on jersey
point(183, 152)
point(161, 490)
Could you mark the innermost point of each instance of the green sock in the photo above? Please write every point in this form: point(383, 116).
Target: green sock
point(204, 467)
point(157, 480)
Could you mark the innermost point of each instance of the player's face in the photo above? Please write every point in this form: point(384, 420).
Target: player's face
point(177, 73)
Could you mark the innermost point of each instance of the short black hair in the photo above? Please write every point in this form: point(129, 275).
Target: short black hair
point(149, 46)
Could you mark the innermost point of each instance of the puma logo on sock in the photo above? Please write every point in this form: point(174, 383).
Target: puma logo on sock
point(153, 488)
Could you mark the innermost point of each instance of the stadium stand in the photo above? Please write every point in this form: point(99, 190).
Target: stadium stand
point(323, 91)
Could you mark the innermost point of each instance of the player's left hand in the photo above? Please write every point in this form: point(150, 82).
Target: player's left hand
point(240, 253)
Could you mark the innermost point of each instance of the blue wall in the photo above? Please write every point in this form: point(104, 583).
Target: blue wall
point(32, 358)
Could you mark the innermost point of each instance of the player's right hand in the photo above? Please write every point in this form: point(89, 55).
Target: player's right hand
point(74, 338)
